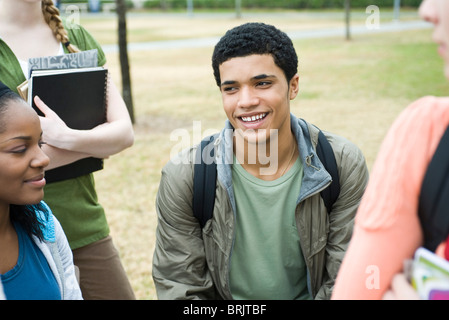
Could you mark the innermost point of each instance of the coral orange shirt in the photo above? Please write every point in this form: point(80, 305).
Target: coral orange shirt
point(387, 229)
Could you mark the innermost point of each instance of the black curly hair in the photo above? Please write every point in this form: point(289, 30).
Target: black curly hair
point(5, 97)
point(256, 38)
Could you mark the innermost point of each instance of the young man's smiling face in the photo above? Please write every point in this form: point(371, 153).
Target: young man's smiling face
point(256, 95)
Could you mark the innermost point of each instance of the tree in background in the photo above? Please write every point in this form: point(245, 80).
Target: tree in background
point(124, 61)
point(348, 18)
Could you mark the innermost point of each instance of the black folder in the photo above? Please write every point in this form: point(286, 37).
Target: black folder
point(79, 97)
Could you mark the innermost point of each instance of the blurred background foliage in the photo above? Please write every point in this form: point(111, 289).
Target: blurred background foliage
point(252, 4)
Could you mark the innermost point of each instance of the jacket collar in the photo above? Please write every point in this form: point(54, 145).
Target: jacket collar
point(315, 177)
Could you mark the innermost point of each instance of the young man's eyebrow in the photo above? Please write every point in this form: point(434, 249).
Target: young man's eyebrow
point(263, 76)
point(228, 82)
point(258, 77)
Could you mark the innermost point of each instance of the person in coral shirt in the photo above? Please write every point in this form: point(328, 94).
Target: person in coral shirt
point(387, 228)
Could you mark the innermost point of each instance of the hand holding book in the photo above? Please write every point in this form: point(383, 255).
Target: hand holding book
point(69, 99)
point(52, 125)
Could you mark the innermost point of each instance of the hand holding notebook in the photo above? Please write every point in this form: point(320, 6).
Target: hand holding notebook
point(78, 97)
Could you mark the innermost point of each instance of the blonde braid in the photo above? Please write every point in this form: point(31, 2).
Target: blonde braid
point(51, 16)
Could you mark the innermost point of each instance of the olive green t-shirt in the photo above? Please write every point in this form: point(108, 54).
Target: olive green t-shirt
point(74, 202)
point(267, 260)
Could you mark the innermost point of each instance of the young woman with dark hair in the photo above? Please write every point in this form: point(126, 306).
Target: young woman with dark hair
point(36, 262)
point(34, 28)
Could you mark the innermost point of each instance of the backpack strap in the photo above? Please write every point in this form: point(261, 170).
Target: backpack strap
point(433, 207)
point(205, 176)
point(327, 157)
point(204, 180)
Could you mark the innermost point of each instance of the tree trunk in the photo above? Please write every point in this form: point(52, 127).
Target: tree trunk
point(124, 62)
point(347, 19)
point(238, 9)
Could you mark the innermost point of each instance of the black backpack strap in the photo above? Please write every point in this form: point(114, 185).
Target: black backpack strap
point(433, 208)
point(204, 180)
point(205, 175)
point(327, 157)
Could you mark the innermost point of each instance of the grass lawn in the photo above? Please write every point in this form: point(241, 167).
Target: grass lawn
point(354, 88)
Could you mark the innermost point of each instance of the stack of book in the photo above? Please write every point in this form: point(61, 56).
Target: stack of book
point(430, 275)
point(75, 88)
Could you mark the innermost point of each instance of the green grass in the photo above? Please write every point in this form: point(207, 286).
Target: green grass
point(354, 88)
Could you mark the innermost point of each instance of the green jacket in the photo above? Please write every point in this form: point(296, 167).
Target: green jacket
point(194, 263)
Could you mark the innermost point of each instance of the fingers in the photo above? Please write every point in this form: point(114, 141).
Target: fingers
point(42, 106)
point(403, 285)
point(400, 289)
point(49, 115)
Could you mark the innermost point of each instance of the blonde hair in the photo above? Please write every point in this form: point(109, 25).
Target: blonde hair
point(54, 21)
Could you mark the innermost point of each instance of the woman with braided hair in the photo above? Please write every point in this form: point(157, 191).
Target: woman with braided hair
point(54, 21)
point(33, 28)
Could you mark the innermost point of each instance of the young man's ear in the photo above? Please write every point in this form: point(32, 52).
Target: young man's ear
point(294, 87)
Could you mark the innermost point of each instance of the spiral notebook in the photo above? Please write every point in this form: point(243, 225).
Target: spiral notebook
point(78, 96)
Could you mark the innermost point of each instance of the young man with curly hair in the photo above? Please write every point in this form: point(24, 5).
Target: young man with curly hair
point(270, 236)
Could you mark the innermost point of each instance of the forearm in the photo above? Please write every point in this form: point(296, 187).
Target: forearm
point(61, 157)
point(100, 142)
point(106, 139)
point(115, 135)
